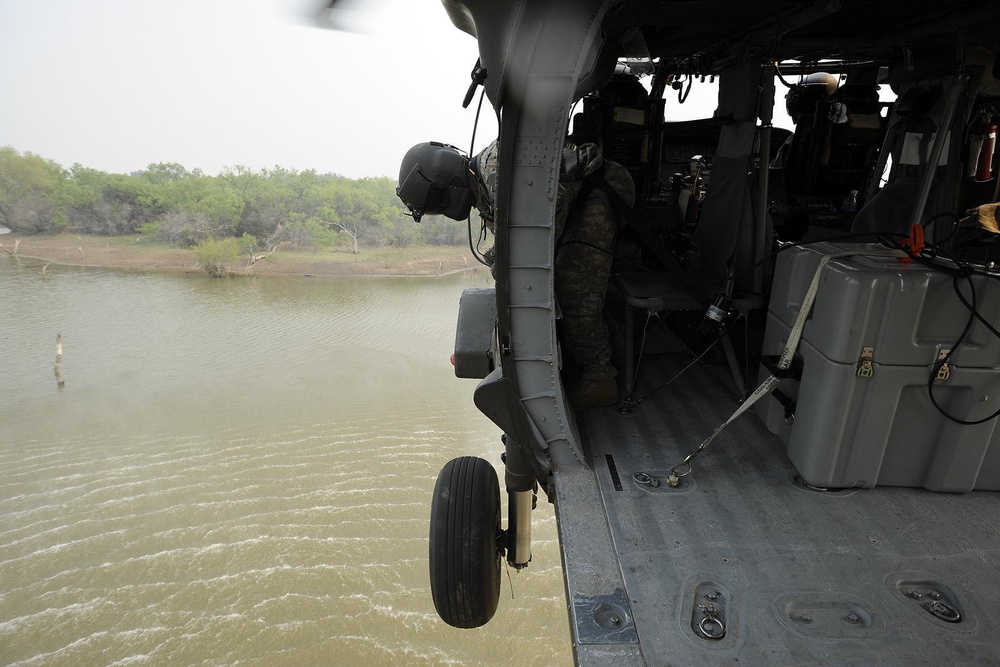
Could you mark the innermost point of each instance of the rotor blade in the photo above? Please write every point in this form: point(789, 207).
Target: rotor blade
point(346, 15)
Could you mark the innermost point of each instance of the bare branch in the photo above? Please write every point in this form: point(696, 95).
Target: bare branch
point(353, 234)
point(254, 258)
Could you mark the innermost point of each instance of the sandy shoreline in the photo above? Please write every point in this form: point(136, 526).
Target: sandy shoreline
point(128, 252)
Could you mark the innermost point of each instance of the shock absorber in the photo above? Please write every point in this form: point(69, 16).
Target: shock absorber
point(521, 497)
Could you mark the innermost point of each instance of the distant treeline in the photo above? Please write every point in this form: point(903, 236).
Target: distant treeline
point(181, 207)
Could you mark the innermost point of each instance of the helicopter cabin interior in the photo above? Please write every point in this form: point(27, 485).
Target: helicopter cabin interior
point(717, 253)
point(774, 542)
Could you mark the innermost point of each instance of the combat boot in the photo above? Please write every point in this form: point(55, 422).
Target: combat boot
point(585, 394)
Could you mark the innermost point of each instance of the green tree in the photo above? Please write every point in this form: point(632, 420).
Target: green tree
point(211, 197)
point(29, 185)
point(161, 173)
point(439, 230)
point(302, 232)
point(182, 207)
point(110, 204)
point(181, 228)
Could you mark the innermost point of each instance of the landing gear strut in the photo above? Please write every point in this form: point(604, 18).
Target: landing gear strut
point(521, 499)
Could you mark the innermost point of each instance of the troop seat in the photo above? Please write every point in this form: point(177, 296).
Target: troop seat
point(663, 291)
point(649, 290)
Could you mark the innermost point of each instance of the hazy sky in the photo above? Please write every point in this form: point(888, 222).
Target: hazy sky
point(119, 84)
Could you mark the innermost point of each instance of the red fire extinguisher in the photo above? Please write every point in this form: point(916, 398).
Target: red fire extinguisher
point(982, 142)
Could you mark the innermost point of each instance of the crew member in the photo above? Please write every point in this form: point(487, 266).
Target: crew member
point(437, 178)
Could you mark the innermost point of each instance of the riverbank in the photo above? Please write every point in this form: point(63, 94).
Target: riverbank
point(130, 252)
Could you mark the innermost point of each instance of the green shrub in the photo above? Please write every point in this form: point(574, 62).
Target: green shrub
point(218, 258)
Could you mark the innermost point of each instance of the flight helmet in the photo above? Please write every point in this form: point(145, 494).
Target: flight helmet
point(802, 98)
point(434, 178)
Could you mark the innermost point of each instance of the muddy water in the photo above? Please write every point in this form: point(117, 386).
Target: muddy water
point(239, 472)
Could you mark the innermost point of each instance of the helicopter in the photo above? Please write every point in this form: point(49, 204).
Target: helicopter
point(802, 464)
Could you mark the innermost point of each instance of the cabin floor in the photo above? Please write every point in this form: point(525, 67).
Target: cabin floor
point(743, 564)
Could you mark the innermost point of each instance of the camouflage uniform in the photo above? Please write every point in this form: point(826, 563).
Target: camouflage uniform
point(584, 233)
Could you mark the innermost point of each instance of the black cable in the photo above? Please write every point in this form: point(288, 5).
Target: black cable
point(682, 97)
point(884, 238)
point(475, 124)
point(677, 375)
point(697, 358)
point(777, 73)
point(475, 253)
point(642, 346)
point(940, 364)
point(944, 214)
point(482, 229)
point(959, 272)
point(961, 297)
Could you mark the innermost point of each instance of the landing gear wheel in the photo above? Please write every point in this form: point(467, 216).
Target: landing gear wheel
point(464, 551)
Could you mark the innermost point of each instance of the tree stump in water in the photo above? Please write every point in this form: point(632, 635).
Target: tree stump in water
point(59, 375)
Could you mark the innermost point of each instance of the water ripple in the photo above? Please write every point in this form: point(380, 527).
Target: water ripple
point(165, 522)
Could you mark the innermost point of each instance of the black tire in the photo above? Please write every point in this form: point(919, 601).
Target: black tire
point(464, 553)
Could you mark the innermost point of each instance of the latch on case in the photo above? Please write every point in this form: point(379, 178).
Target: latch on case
point(943, 373)
point(866, 368)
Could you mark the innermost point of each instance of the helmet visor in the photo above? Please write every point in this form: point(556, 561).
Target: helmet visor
point(422, 195)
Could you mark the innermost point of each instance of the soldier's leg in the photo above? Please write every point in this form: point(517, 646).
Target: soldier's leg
point(582, 269)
